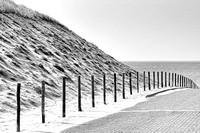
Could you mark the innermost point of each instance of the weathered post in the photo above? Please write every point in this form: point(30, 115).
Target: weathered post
point(192, 84)
point(115, 88)
point(186, 82)
point(172, 79)
point(18, 107)
point(123, 86)
point(104, 88)
point(158, 80)
point(154, 80)
point(169, 79)
point(92, 82)
point(130, 83)
point(162, 79)
point(175, 80)
point(180, 80)
point(165, 79)
point(149, 80)
point(64, 97)
point(189, 83)
point(79, 93)
point(137, 82)
point(144, 81)
point(43, 102)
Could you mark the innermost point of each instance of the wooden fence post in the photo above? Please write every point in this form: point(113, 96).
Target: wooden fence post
point(175, 80)
point(144, 81)
point(43, 101)
point(186, 82)
point(169, 79)
point(115, 88)
point(154, 80)
point(161, 79)
point(172, 79)
point(64, 97)
point(104, 88)
point(138, 82)
point(130, 82)
point(180, 80)
point(165, 79)
point(189, 83)
point(92, 82)
point(149, 80)
point(79, 93)
point(158, 80)
point(18, 107)
point(123, 83)
point(192, 84)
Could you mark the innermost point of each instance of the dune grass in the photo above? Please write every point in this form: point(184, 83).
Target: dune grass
point(8, 6)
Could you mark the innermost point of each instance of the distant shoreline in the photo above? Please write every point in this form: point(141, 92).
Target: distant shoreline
point(164, 61)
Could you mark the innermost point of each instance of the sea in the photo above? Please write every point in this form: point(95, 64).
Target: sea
point(188, 69)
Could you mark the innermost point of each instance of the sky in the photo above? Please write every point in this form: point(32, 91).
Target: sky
point(131, 30)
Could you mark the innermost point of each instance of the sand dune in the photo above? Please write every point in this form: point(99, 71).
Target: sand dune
point(35, 47)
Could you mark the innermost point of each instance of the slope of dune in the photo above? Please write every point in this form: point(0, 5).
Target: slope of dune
point(35, 47)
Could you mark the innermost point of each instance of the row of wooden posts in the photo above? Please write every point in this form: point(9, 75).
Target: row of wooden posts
point(173, 80)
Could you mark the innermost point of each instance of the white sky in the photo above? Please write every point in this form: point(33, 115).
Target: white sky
point(131, 30)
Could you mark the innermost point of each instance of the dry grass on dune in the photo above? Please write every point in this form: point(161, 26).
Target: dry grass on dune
point(8, 6)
